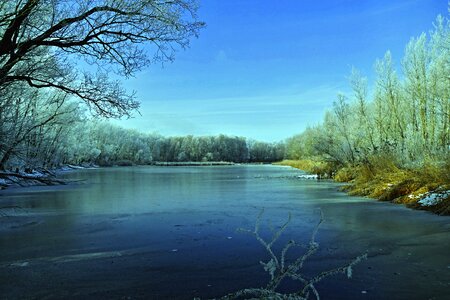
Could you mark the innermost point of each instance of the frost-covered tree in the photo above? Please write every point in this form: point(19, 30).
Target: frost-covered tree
point(407, 119)
point(365, 130)
point(32, 122)
point(56, 52)
point(42, 43)
point(387, 89)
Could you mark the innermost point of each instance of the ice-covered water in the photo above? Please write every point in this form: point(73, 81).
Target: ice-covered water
point(170, 233)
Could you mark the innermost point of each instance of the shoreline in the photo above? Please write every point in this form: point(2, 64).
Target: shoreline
point(49, 177)
point(408, 190)
point(424, 196)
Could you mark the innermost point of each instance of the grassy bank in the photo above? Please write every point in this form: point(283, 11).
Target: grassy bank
point(316, 166)
point(424, 187)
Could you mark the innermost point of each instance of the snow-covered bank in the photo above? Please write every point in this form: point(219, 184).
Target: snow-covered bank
point(76, 167)
point(28, 179)
point(38, 177)
point(434, 198)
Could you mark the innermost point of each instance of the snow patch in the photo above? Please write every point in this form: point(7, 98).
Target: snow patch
point(65, 168)
point(34, 174)
point(434, 198)
point(309, 176)
point(75, 167)
point(412, 196)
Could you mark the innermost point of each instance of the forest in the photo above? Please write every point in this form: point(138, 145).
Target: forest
point(101, 143)
point(60, 135)
point(50, 103)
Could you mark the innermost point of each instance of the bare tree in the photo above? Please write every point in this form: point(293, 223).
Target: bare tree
point(342, 112)
point(364, 113)
point(41, 43)
point(27, 122)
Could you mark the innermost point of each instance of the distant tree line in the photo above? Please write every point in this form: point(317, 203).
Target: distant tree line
point(68, 139)
point(404, 117)
point(106, 144)
point(47, 96)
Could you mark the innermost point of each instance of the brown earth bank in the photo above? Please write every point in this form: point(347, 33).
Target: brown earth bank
point(424, 187)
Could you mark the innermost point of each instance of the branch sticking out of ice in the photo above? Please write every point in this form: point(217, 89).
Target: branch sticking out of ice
point(279, 268)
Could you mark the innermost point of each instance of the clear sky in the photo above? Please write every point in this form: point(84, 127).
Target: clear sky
point(266, 69)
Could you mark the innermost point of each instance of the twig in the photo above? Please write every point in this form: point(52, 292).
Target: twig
point(276, 267)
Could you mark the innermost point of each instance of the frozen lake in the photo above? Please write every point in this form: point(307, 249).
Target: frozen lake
point(171, 233)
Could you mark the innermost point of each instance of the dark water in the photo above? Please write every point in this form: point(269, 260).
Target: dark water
point(170, 233)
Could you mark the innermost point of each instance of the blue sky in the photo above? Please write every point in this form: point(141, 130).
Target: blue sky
point(267, 69)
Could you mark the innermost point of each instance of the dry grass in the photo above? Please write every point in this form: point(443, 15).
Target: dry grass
point(314, 166)
point(382, 178)
point(345, 174)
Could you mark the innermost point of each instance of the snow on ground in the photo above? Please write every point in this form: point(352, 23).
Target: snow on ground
point(75, 167)
point(412, 196)
point(308, 176)
point(434, 198)
point(35, 174)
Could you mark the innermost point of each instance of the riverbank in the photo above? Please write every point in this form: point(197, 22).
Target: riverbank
point(426, 187)
point(33, 178)
point(38, 177)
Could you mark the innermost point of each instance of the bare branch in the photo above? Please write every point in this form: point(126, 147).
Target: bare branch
point(120, 36)
point(278, 271)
